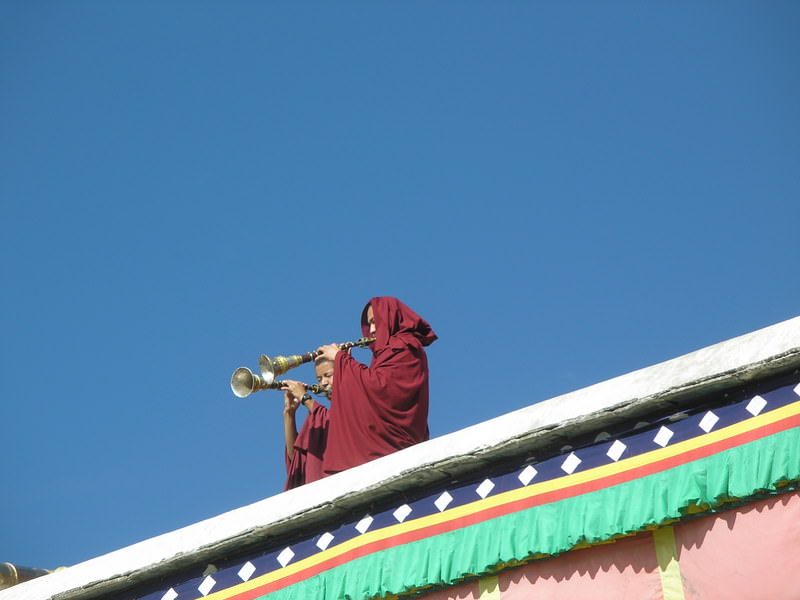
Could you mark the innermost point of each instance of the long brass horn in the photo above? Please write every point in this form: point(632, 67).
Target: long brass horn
point(244, 382)
point(11, 575)
point(278, 365)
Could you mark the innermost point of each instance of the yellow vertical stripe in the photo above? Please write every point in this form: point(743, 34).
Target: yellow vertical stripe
point(489, 588)
point(668, 567)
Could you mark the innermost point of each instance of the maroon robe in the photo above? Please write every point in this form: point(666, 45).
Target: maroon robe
point(305, 465)
point(382, 408)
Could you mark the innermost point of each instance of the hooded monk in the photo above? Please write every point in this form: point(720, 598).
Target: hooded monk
point(380, 408)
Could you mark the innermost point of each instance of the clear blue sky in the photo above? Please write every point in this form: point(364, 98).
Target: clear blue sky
point(566, 191)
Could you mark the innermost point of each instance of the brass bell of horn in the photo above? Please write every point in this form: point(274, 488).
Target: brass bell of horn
point(278, 365)
point(244, 382)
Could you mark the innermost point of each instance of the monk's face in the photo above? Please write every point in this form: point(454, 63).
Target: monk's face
point(371, 321)
point(324, 371)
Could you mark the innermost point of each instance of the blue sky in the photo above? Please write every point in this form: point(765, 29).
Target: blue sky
point(566, 191)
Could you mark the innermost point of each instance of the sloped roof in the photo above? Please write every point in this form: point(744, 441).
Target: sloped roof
point(640, 395)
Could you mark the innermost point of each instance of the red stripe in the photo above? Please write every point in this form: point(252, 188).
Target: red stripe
point(522, 504)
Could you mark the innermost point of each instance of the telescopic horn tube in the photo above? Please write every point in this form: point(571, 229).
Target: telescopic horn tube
point(244, 382)
point(278, 365)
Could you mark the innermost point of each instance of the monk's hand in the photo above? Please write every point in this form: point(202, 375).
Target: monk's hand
point(293, 395)
point(328, 351)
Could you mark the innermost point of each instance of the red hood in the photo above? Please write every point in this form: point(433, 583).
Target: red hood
point(393, 318)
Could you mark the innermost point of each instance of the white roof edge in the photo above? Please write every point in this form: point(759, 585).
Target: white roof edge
point(745, 358)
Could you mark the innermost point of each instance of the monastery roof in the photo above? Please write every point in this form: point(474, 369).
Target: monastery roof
point(535, 431)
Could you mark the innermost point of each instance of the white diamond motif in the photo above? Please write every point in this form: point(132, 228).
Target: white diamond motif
point(663, 436)
point(364, 524)
point(527, 475)
point(797, 389)
point(708, 421)
point(485, 488)
point(443, 501)
point(207, 585)
point(402, 512)
point(324, 540)
point(286, 555)
point(247, 570)
point(170, 595)
point(756, 405)
point(616, 450)
point(571, 463)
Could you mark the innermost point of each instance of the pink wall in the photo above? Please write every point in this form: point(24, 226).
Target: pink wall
point(748, 553)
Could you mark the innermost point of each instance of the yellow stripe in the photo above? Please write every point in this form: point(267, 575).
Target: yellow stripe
point(514, 495)
point(668, 567)
point(489, 588)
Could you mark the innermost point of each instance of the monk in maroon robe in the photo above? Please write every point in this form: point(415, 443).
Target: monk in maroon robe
point(380, 408)
point(303, 453)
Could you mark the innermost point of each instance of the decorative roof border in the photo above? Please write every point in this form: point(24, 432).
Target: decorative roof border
point(746, 359)
point(671, 442)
